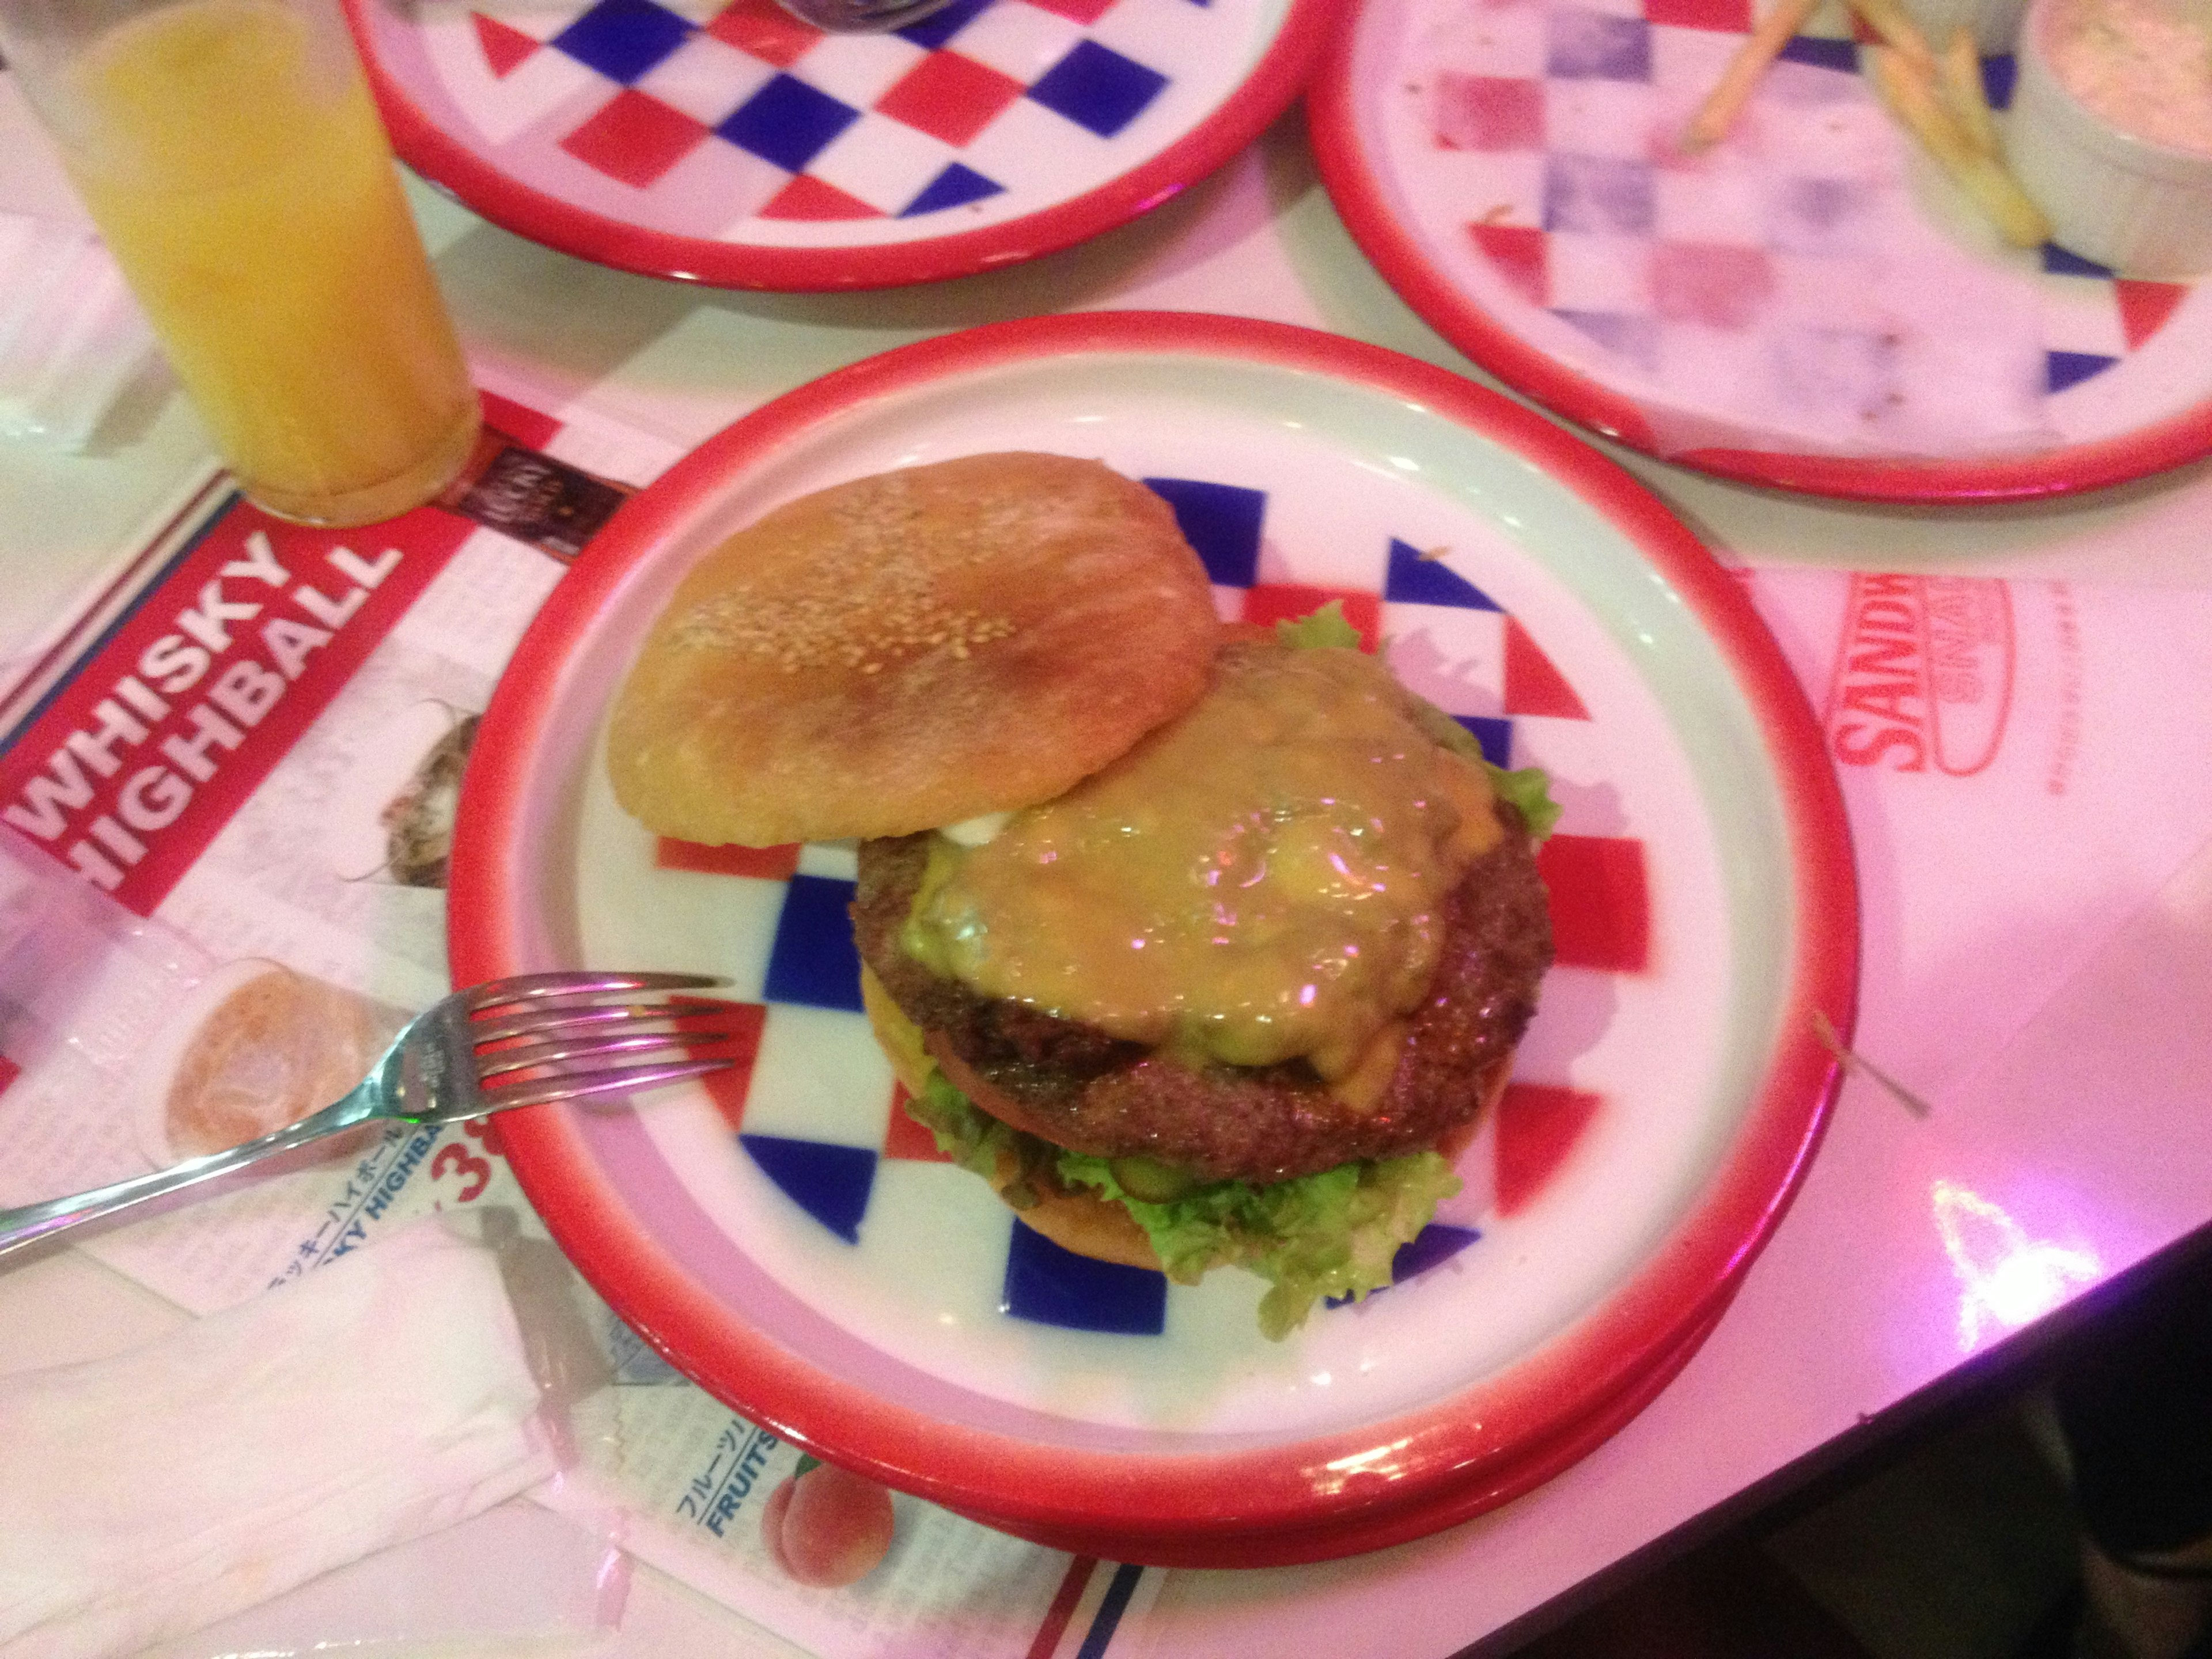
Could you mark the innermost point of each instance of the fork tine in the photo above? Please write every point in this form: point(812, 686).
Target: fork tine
point(549, 1019)
point(523, 1056)
point(577, 1085)
point(577, 982)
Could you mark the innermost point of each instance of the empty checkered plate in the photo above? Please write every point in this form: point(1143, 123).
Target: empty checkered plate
point(737, 144)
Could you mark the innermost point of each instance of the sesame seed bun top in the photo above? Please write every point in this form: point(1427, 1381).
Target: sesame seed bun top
point(908, 650)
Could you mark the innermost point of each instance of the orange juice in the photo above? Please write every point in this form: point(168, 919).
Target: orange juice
point(232, 158)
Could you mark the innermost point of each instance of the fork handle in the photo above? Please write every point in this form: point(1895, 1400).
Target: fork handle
point(34, 1222)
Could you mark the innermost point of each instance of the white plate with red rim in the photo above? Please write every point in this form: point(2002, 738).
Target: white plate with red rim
point(725, 142)
point(1808, 305)
point(784, 1239)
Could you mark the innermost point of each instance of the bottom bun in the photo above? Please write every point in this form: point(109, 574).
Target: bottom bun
point(1087, 1223)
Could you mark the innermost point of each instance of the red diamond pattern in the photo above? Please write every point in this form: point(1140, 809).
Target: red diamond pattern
point(769, 863)
point(906, 1139)
point(1727, 16)
point(808, 197)
point(1521, 255)
point(634, 138)
point(1081, 11)
point(950, 97)
point(1719, 284)
point(2144, 307)
point(1538, 1125)
point(1533, 686)
point(503, 45)
point(745, 1021)
point(766, 30)
point(1488, 112)
point(1600, 904)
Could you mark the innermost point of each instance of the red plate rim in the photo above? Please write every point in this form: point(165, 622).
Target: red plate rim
point(1401, 1524)
point(1468, 1443)
point(1281, 73)
point(1360, 201)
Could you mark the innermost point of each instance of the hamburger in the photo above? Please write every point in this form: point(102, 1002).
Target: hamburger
point(1205, 946)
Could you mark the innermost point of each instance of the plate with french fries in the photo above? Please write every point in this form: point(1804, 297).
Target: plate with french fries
point(1776, 242)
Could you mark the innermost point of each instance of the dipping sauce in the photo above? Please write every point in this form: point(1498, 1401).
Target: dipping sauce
point(1260, 880)
point(267, 1047)
point(2144, 65)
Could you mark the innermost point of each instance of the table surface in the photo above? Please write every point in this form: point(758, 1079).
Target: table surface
point(2072, 1118)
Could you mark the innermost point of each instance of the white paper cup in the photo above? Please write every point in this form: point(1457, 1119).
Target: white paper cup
point(2141, 208)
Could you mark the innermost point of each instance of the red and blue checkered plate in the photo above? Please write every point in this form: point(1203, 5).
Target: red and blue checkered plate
point(727, 142)
point(1807, 305)
point(789, 1239)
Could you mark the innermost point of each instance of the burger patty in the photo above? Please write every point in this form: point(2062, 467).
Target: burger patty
point(1093, 1093)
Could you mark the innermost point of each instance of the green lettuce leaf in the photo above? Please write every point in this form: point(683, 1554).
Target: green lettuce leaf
point(1324, 627)
point(969, 1137)
point(1530, 790)
point(1332, 1234)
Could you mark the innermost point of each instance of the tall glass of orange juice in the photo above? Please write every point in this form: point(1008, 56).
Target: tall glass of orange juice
point(230, 155)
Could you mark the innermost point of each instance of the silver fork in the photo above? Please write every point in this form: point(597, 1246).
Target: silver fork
point(517, 1041)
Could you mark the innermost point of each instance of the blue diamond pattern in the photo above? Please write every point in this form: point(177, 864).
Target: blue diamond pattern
point(953, 187)
point(2065, 368)
point(934, 30)
point(1999, 71)
point(1417, 580)
point(1049, 1285)
point(1434, 1243)
point(788, 122)
point(1495, 735)
point(1818, 216)
point(828, 1181)
point(1822, 54)
point(1221, 522)
point(1096, 87)
point(2059, 263)
point(1596, 46)
point(812, 960)
point(622, 39)
point(1599, 194)
point(1633, 337)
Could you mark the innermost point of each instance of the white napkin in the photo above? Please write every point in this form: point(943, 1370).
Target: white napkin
point(375, 1400)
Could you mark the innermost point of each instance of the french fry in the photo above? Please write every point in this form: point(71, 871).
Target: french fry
point(1886, 18)
point(1998, 194)
point(1910, 93)
point(1959, 83)
point(1732, 90)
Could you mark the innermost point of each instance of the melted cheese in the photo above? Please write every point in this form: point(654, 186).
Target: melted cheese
point(1258, 881)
